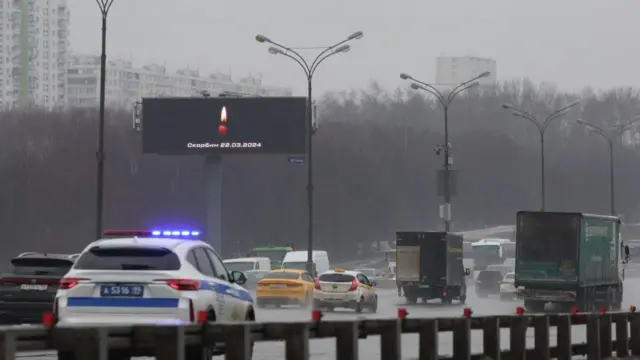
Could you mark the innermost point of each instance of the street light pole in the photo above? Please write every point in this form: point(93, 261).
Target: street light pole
point(309, 70)
point(610, 135)
point(104, 6)
point(542, 128)
point(445, 102)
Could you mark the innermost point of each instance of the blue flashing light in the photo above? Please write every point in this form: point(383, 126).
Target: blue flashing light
point(175, 233)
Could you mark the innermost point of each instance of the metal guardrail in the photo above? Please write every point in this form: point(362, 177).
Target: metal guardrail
point(167, 342)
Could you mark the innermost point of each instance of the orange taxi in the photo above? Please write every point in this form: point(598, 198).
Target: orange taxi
point(285, 287)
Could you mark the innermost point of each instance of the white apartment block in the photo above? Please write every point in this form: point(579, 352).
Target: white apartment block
point(34, 38)
point(126, 84)
point(456, 70)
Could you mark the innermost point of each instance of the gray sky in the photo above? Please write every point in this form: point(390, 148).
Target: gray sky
point(572, 43)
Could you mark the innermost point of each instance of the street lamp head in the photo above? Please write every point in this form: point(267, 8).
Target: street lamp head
point(274, 50)
point(472, 85)
point(262, 39)
point(484, 74)
point(356, 35)
point(404, 76)
point(342, 49)
point(581, 121)
point(573, 104)
point(507, 106)
point(415, 86)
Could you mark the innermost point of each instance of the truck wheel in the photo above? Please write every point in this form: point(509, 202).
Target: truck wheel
point(463, 295)
point(534, 306)
point(411, 300)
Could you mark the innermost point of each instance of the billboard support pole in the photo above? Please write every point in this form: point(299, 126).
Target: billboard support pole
point(213, 202)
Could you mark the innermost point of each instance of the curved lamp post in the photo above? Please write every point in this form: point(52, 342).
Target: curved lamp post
point(445, 102)
point(542, 128)
point(610, 135)
point(309, 69)
point(105, 6)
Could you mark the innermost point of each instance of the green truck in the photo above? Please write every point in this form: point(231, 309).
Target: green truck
point(570, 260)
point(274, 253)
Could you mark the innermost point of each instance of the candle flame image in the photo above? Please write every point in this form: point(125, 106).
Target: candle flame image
point(222, 128)
point(223, 114)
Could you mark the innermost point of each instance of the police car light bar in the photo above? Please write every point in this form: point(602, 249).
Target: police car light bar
point(147, 233)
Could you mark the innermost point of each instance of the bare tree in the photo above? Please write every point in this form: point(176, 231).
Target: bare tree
point(375, 172)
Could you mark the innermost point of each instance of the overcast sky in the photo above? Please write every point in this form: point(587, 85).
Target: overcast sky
point(573, 43)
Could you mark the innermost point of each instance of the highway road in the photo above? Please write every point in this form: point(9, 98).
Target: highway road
point(388, 303)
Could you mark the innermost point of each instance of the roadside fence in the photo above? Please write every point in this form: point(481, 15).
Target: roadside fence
point(167, 342)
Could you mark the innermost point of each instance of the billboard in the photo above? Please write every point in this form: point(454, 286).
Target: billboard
point(243, 125)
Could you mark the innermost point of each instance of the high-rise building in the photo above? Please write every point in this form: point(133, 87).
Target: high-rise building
point(455, 70)
point(34, 40)
point(126, 84)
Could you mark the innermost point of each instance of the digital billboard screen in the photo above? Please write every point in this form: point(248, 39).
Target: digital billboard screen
point(242, 125)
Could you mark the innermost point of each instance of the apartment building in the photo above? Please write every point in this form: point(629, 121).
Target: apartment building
point(34, 42)
point(126, 84)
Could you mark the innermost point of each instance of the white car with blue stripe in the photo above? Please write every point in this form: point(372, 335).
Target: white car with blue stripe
point(151, 277)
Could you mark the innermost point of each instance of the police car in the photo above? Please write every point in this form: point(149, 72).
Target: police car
point(345, 289)
point(151, 277)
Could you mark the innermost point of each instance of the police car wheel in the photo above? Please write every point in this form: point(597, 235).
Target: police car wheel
point(374, 304)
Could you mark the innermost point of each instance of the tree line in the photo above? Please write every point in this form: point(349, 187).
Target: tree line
point(374, 165)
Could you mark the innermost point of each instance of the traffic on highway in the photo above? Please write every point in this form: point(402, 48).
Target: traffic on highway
point(172, 277)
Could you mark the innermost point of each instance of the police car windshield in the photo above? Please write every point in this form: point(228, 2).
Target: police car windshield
point(40, 266)
point(282, 275)
point(128, 258)
point(336, 277)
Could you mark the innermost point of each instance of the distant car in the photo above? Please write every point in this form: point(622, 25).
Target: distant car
point(29, 289)
point(285, 287)
point(345, 289)
point(371, 273)
point(507, 288)
point(488, 283)
point(504, 269)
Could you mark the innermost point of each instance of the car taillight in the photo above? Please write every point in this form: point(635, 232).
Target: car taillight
point(317, 287)
point(182, 284)
point(354, 285)
point(69, 283)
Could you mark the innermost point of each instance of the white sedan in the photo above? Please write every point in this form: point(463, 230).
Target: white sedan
point(507, 288)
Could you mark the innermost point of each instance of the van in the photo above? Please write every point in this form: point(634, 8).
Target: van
point(298, 260)
point(248, 264)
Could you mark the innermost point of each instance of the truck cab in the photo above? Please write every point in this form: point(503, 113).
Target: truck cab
point(487, 252)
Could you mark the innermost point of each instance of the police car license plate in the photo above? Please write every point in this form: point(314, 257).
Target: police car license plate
point(121, 290)
point(277, 286)
point(33, 287)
